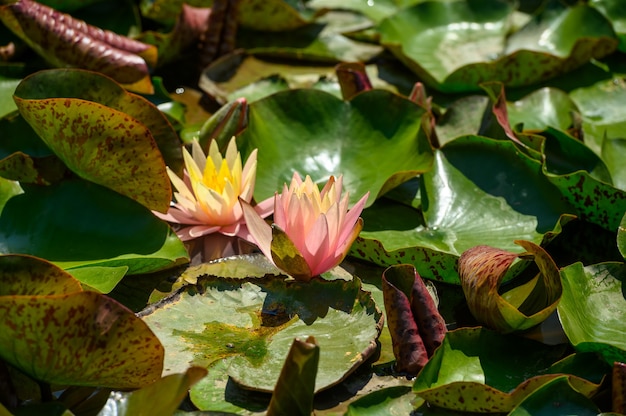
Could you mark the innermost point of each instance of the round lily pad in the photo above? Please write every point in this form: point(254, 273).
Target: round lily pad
point(253, 321)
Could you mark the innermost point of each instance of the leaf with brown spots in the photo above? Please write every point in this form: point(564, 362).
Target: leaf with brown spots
point(31, 276)
point(92, 86)
point(82, 339)
point(102, 145)
point(478, 370)
point(65, 41)
point(482, 269)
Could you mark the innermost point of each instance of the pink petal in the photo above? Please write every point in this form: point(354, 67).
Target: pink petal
point(195, 231)
point(351, 218)
point(265, 208)
point(316, 249)
point(260, 231)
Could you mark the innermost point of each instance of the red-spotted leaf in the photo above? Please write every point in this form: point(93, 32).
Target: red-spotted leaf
point(81, 338)
point(101, 144)
point(482, 269)
point(65, 41)
point(91, 86)
point(30, 276)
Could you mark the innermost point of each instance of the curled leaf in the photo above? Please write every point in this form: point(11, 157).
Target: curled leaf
point(619, 387)
point(65, 41)
point(482, 269)
point(352, 79)
point(293, 394)
point(414, 322)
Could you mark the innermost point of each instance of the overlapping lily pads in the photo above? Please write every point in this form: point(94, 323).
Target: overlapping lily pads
point(502, 204)
point(49, 322)
point(464, 43)
point(477, 370)
point(251, 323)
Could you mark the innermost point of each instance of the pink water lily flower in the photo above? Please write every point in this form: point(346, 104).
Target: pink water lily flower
point(208, 198)
point(312, 230)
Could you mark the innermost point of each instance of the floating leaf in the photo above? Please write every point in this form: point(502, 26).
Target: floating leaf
point(477, 370)
point(479, 48)
point(593, 309)
point(621, 237)
point(392, 401)
point(65, 233)
point(317, 134)
point(80, 339)
point(101, 279)
point(457, 214)
point(271, 15)
point(556, 397)
point(482, 269)
point(321, 41)
point(255, 324)
point(49, 33)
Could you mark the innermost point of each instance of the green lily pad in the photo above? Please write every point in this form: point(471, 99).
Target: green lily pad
point(57, 223)
point(613, 151)
point(479, 48)
point(80, 339)
point(101, 279)
point(593, 308)
point(317, 134)
point(321, 41)
point(615, 11)
point(253, 321)
point(392, 401)
point(477, 370)
point(599, 107)
point(556, 397)
point(545, 107)
point(455, 216)
point(273, 15)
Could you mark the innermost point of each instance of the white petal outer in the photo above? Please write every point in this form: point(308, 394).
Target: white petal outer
point(198, 155)
point(215, 155)
point(232, 155)
point(260, 231)
point(180, 185)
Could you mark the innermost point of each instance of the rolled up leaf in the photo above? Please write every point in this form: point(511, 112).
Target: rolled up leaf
point(415, 325)
point(64, 41)
point(293, 394)
point(482, 269)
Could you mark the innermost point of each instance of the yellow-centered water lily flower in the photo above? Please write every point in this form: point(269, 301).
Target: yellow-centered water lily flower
point(312, 230)
point(208, 198)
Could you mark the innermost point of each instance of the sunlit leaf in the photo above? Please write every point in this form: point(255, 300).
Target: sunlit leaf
point(474, 36)
point(99, 143)
point(317, 134)
point(102, 279)
point(79, 338)
point(255, 324)
point(162, 397)
point(478, 370)
point(592, 309)
point(456, 214)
